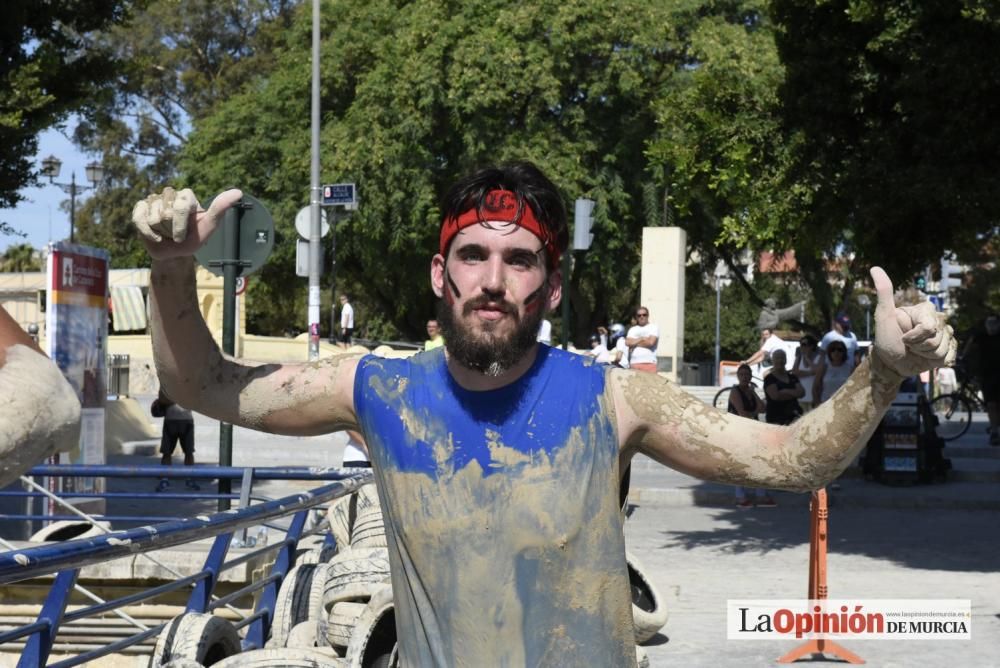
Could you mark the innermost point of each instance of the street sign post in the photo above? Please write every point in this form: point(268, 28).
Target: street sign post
point(238, 248)
point(339, 194)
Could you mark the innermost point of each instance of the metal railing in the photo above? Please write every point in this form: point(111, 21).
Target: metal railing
point(67, 558)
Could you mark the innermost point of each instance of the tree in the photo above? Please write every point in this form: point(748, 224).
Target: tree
point(50, 67)
point(176, 61)
point(19, 258)
point(416, 94)
point(894, 105)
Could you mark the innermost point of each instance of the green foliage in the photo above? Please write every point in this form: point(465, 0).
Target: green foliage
point(895, 105)
point(20, 257)
point(50, 67)
point(176, 61)
point(416, 94)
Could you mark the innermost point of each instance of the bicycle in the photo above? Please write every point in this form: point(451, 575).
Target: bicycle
point(721, 400)
point(953, 410)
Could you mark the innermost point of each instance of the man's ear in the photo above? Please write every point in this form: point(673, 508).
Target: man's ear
point(437, 275)
point(555, 289)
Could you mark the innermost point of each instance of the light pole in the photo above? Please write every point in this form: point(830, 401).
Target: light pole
point(721, 271)
point(95, 174)
point(866, 302)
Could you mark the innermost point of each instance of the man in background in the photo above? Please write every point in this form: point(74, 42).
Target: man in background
point(346, 321)
point(434, 338)
point(641, 341)
point(841, 331)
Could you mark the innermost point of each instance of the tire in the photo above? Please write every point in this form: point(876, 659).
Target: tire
point(368, 530)
point(953, 414)
point(68, 530)
point(347, 509)
point(300, 599)
point(340, 624)
point(374, 635)
point(194, 636)
point(354, 574)
point(183, 663)
point(641, 657)
point(306, 635)
point(317, 555)
point(649, 614)
point(721, 400)
point(283, 658)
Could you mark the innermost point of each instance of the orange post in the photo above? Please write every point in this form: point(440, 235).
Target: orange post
point(817, 584)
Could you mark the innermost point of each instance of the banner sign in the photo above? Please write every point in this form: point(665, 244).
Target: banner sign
point(76, 322)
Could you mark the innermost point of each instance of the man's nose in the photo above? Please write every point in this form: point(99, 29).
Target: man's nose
point(493, 276)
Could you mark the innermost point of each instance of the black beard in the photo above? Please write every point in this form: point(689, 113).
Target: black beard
point(488, 354)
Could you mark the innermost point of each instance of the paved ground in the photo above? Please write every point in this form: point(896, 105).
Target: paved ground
point(920, 541)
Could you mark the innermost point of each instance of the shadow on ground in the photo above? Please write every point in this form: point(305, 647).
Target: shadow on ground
point(929, 539)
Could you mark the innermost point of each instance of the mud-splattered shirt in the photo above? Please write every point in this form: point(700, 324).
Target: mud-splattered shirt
point(505, 538)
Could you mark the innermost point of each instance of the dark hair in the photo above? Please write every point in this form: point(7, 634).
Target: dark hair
point(837, 345)
point(744, 366)
point(525, 180)
point(807, 340)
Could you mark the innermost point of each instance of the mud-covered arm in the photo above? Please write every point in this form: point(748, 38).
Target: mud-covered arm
point(657, 418)
point(39, 410)
point(294, 399)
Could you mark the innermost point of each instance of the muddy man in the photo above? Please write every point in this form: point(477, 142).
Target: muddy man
point(497, 459)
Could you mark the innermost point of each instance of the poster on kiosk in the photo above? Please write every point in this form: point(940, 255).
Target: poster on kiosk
point(76, 323)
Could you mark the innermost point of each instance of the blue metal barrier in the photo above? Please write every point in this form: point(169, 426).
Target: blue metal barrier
point(67, 558)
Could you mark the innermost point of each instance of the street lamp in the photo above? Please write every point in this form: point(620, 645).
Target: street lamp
point(721, 272)
point(95, 174)
point(866, 302)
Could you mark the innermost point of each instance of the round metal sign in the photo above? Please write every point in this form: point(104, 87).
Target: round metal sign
point(241, 284)
point(303, 221)
point(254, 239)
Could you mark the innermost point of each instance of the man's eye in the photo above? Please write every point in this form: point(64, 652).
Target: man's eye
point(472, 256)
point(522, 261)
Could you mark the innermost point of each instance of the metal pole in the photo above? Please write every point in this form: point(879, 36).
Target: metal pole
point(333, 273)
point(566, 265)
point(72, 205)
point(718, 346)
point(230, 267)
point(868, 324)
point(314, 201)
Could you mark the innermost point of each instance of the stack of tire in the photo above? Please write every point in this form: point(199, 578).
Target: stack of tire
point(335, 608)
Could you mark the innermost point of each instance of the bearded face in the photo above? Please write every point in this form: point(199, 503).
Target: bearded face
point(494, 291)
point(488, 348)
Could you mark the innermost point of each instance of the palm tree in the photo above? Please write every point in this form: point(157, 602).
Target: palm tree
point(21, 257)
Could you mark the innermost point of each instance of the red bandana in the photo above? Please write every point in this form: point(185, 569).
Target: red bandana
point(499, 206)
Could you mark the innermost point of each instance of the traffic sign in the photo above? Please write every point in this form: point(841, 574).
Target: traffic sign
point(254, 240)
point(339, 194)
point(303, 221)
point(241, 284)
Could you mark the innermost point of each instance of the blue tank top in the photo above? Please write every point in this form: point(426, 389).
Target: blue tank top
point(504, 533)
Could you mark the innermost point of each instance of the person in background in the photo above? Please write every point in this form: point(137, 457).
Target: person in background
point(356, 451)
point(832, 373)
point(39, 409)
point(808, 359)
point(617, 346)
point(769, 342)
point(841, 331)
point(783, 391)
point(545, 332)
point(434, 338)
point(985, 341)
point(178, 425)
point(598, 350)
point(641, 341)
point(602, 333)
point(346, 321)
point(743, 401)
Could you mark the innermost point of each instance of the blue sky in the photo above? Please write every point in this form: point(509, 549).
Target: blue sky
point(39, 214)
